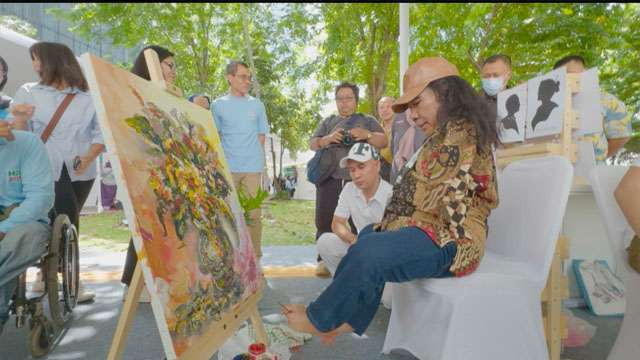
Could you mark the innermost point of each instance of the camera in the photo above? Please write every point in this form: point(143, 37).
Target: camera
point(347, 138)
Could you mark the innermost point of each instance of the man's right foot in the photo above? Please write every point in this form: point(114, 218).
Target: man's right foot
point(321, 270)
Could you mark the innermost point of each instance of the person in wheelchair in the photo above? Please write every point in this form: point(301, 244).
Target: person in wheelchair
point(26, 196)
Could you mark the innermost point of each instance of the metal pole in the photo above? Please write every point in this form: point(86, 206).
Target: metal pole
point(404, 40)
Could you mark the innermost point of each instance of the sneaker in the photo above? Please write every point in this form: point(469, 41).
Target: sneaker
point(84, 295)
point(321, 270)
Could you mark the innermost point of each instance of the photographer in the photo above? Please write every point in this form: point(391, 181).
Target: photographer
point(338, 133)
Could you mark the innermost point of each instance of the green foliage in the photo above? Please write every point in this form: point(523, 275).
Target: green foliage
point(205, 37)
point(361, 46)
point(535, 36)
point(18, 25)
point(248, 203)
point(358, 42)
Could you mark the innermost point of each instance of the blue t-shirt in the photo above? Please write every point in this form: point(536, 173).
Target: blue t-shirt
point(239, 121)
point(25, 179)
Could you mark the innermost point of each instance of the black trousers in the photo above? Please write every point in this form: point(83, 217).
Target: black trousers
point(129, 264)
point(71, 196)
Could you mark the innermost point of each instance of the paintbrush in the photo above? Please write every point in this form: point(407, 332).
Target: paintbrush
point(286, 309)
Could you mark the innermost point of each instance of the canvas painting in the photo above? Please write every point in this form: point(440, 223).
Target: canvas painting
point(512, 113)
point(188, 227)
point(545, 104)
point(602, 290)
point(586, 102)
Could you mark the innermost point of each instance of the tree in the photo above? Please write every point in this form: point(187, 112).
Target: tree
point(361, 46)
point(205, 37)
point(535, 36)
point(18, 25)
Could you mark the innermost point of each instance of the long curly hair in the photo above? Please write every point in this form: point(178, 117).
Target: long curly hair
point(459, 101)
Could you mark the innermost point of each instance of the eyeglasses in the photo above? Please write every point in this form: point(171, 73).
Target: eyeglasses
point(244, 77)
point(346, 98)
point(170, 65)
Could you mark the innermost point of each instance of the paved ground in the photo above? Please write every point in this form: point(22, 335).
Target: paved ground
point(92, 328)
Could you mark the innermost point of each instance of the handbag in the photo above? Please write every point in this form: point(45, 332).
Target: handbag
point(56, 117)
point(321, 166)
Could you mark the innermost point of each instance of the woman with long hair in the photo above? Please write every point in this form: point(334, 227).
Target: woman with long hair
point(168, 65)
point(435, 225)
point(75, 141)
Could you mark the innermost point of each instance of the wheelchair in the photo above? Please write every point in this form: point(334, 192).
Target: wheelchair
point(60, 262)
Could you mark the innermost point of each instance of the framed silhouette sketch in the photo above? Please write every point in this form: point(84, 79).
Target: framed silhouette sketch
point(545, 104)
point(512, 114)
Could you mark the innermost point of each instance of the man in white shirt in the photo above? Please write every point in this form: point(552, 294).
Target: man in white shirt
point(363, 200)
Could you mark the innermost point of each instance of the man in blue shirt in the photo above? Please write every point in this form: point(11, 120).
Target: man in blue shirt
point(26, 196)
point(241, 121)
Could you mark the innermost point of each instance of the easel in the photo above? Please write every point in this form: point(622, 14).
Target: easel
point(557, 288)
point(215, 335)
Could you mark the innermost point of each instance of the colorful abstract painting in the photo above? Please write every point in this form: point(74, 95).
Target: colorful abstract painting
point(189, 230)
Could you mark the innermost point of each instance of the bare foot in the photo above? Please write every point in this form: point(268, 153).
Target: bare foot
point(330, 337)
point(297, 316)
point(288, 308)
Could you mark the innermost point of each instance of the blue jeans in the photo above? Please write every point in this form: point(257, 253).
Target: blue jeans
point(20, 248)
point(377, 257)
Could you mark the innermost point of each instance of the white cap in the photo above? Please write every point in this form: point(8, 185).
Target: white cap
point(360, 152)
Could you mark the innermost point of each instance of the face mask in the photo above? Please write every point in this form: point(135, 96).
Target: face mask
point(492, 86)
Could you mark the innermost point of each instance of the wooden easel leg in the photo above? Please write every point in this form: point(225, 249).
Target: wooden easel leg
point(256, 320)
point(555, 311)
point(126, 316)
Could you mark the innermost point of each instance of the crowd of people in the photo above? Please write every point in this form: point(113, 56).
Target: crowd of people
point(435, 144)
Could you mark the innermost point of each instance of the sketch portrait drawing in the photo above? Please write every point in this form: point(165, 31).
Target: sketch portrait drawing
point(547, 89)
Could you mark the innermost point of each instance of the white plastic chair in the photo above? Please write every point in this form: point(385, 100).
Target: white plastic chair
point(495, 312)
point(604, 180)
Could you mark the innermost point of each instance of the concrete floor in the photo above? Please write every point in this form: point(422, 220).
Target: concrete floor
point(93, 325)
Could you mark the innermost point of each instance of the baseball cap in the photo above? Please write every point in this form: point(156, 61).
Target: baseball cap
point(360, 152)
point(419, 75)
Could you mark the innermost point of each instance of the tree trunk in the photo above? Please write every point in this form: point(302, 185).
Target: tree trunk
point(249, 48)
point(281, 156)
point(273, 160)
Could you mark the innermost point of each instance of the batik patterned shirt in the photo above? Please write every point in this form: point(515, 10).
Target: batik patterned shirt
point(448, 192)
point(616, 124)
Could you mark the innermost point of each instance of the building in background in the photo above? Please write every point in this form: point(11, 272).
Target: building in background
point(49, 28)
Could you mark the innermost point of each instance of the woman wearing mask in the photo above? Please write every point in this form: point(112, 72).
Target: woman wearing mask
point(168, 65)
point(75, 141)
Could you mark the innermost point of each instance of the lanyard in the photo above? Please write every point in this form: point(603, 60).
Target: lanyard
point(412, 161)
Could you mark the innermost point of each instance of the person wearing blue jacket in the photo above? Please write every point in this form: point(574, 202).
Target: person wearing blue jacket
point(26, 196)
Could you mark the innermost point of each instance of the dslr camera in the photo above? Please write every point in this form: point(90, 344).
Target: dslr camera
point(347, 138)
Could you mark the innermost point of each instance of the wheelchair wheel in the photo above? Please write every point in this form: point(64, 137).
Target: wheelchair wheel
point(63, 257)
point(41, 338)
point(70, 267)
